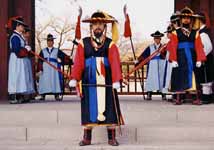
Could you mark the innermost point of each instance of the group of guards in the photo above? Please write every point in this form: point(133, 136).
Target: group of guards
point(97, 66)
point(186, 64)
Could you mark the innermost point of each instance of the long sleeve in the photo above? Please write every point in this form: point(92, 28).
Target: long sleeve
point(207, 44)
point(144, 54)
point(16, 47)
point(172, 47)
point(65, 58)
point(79, 63)
point(114, 60)
point(40, 62)
point(199, 48)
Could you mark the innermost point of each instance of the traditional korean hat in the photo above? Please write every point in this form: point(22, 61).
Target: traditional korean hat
point(99, 17)
point(157, 34)
point(175, 17)
point(50, 37)
point(19, 21)
point(103, 17)
point(169, 29)
point(186, 12)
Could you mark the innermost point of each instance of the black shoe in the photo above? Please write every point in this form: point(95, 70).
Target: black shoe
point(42, 98)
point(111, 137)
point(164, 97)
point(14, 101)
point(86, 138)
point(149, 96)
point(58, 98)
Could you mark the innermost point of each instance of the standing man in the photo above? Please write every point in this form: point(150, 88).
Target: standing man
point(155, 68)
point(19, 80)
point(186, 53)
point(50, 80)
point(97, 65)
point(206, 72)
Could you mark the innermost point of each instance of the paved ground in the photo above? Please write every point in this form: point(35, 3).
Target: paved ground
point(150, 125)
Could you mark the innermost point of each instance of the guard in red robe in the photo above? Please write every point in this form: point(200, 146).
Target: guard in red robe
point(97, 66)
point(186, 53)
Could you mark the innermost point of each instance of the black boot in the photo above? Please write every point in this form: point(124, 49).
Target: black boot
point(86, 138)
point(178, 100)
point(57, 97)
point(163, 97)
point(13, 99)
point(42, 97)
point(111, 137)
point(149, 96)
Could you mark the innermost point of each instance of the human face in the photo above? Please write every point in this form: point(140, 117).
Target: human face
point(20, 28)
point(98, 29)
point(186, 20)
point(157, 40)
point(50, 43)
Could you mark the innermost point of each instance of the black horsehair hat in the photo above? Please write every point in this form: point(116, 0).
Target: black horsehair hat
point(19, 21)
point(50, 37)
point(157, 34)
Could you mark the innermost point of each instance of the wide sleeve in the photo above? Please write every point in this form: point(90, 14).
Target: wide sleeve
point(65, 58)
point(114, 61)
point(199, 48)
point(207, 44)
point(79, 63)
point(16, 46)
point(144, 54)
point(40, 62)
point(172, 47)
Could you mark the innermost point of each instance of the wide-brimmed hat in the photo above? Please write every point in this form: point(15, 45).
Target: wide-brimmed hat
point(175, 17)
point(99, 17)
point(169, 29)
point(186, 12)
point(19, 21)
point(50, 37)
point(157, 34)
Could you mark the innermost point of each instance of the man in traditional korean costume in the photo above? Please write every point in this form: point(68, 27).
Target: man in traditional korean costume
point(97, 66)
point(19, 75)
point(186, 53)
point(206, 72)
point(50, 80)
point(155, 67)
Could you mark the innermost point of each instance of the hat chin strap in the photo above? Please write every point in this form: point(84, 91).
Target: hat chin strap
point(99, 41)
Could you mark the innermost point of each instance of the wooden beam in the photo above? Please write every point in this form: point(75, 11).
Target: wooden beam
point(3, 49)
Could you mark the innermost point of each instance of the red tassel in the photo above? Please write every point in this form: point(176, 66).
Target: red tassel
point(127, 28)
point(9, 23)
point(78, 29)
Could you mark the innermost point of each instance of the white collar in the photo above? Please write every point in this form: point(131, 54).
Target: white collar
point(203, 26)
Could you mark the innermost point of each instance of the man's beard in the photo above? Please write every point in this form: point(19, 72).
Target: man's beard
point(187, 26)
point(98, 33)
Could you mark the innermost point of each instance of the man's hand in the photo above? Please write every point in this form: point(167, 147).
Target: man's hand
point(198, 64)
point(28, 48)
point(174, 64)
point(116, 85)
point(72, 83)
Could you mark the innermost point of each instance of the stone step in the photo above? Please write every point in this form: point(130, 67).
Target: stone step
point(130, 134)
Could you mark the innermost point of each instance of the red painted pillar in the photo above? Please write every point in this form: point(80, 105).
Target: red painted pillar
point(3, 50)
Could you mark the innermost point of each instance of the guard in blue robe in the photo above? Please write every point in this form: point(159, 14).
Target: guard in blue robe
point(50, 80)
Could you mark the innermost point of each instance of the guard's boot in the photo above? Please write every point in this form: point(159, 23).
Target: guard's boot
point(149, 96)
point(57, 97)
point(42, 98)
point(86, 138)
point(13, 99)
point(163, 97)
point(178, 100)
point(111, 137)
point(197, 101)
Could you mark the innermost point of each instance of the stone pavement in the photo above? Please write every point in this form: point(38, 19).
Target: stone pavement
point(150, 125)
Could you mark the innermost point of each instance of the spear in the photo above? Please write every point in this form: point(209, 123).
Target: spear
point(128, 33)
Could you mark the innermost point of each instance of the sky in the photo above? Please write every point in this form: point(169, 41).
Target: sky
point(146, 16)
